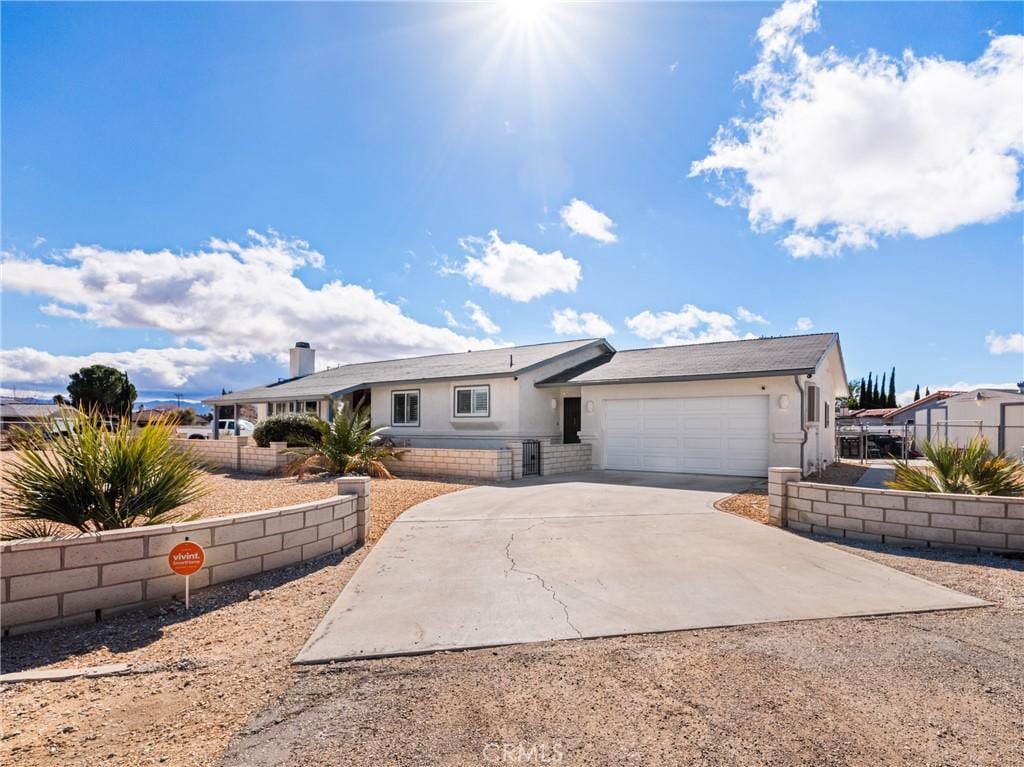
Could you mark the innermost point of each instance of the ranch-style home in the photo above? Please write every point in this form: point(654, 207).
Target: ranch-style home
point(731, 407)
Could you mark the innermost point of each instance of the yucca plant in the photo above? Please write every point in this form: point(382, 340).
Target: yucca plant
point(76, 471)
point(349, 446)
point(970, 470)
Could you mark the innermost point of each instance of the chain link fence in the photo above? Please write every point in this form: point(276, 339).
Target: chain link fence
point(903, 441)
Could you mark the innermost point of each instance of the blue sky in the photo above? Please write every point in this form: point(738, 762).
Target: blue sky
point(188, 189)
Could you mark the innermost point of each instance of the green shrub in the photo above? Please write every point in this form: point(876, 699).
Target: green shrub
point(77, 471)
point(296, 429)
point(970, 470)
point(349, 446)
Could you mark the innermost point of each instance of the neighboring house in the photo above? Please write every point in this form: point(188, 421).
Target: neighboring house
point(24, 415)
point(997, 414)
point(908, 413)
point(866, 416)
point(732, 407)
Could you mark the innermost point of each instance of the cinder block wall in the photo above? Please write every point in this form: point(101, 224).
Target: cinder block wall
point(239, 453)
point(48, 582)
point(562, 459)
point(936, 520)
point(484, 465)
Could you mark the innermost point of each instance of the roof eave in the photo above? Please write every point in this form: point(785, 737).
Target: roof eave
point(228, 399)
point(676, 379)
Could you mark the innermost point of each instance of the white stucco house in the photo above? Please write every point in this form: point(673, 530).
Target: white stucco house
point(996, 414)
point(732, 407)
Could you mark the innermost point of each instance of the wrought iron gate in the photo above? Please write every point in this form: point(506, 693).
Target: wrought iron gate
point(531, 457)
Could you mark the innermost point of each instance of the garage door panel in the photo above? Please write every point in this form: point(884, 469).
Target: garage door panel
point(725, 435)
point(668, 442)
point(624, 443)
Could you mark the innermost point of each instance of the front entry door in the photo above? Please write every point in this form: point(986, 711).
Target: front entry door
point(571, 420)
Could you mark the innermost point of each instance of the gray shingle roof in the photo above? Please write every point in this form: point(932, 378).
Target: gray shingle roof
point(785, 355)
point(507, 361)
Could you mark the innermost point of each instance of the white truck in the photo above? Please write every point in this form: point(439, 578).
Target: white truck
point(225, 425)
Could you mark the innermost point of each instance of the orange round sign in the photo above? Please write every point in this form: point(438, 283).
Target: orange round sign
point(186, 558)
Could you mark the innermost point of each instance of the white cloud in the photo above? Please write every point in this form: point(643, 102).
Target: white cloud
point(148, 369)
point(673, 66)
point(450, 319)
point(906, 397)
point(845, 150)
point(803, 324)
point(480, 318)
point(1009, 344)
point(39, 240)
point(745, 315)
point(515, 270)
point(569, 322)
point(584, 219)
point(230, 301)
point(690, 325)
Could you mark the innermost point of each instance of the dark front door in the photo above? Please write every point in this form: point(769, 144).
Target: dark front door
point(571, 420)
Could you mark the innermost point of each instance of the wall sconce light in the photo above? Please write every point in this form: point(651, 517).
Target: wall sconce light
point(554, 404)
point(590, 406)
point(783, 402)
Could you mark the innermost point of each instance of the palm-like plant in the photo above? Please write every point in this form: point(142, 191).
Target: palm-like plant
point(349, 446)
point(971, 470)
point(76, 472)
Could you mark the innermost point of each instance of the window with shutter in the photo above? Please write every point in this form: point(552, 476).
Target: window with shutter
point(472, 401)
point(812, 403)
point(405, 408)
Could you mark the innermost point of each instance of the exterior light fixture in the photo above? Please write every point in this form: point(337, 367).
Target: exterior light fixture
point(783, 402)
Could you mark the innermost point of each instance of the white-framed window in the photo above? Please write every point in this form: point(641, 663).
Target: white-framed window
point(405, 408)
point(472, 401)
point(813, 402)
point(296, 406)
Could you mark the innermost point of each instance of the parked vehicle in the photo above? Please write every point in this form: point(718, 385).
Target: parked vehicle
point(225, 425)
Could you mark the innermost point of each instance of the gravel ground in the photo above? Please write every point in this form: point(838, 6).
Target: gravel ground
point(234, 492)
point(203, 677)
point(943, 688)
point(753, 503)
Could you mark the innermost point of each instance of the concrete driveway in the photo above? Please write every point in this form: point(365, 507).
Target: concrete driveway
point(589, 555)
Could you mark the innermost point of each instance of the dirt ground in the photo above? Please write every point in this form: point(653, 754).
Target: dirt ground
point(942, 688)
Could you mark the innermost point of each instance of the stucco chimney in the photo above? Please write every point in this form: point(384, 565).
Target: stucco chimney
point(301, 360)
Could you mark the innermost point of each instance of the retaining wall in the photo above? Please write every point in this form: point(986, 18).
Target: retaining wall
point(562, 459)
point(483, 465)
point(239, 454)
point(936, 520)
point(48, 582)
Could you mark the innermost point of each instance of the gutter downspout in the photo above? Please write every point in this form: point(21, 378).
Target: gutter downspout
point(803, 423)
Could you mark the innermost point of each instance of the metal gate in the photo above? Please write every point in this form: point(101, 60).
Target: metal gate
point(531, 457)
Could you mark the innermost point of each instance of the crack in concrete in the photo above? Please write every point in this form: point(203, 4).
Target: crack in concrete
point(540, 579)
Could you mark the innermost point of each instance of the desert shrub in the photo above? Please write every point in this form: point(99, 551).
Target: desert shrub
point(78, 471)
point(349, 446)
point(971, 470)
point(296, 429)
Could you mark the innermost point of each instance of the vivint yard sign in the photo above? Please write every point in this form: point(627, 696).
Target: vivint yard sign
point(186, 558)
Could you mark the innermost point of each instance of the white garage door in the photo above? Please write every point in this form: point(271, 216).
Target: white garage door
point(696, 435)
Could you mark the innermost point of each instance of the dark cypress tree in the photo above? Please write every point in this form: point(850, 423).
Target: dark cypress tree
point(876, 396)
point(862, 393)
point(917, 392)
point(869, 394)
point(927, 392)
point(891, 402)
point(882, 396)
